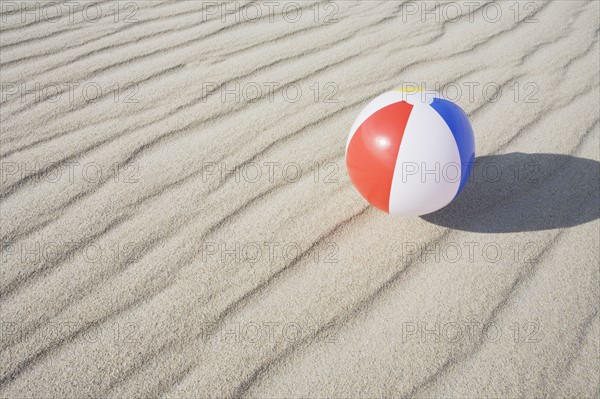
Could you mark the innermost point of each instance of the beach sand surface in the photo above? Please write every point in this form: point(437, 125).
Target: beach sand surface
point(177, 219)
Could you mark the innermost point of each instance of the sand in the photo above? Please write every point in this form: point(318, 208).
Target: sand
point(177, 220)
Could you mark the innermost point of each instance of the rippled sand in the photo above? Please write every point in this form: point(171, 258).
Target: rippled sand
point(177, 219)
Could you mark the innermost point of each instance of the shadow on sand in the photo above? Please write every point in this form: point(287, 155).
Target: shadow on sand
point(524, 192)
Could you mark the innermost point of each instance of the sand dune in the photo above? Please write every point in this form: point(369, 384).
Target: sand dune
point(177, 221)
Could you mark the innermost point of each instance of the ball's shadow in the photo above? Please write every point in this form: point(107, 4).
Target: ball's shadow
point(525, 192)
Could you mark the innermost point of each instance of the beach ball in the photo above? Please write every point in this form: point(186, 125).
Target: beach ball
point(410, 152)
